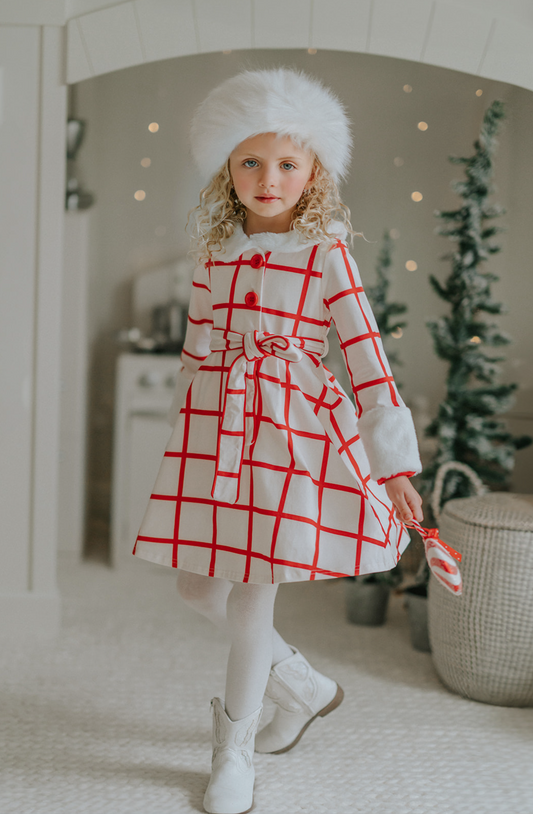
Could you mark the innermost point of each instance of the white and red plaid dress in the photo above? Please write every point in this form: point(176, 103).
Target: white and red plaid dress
point(270, 474)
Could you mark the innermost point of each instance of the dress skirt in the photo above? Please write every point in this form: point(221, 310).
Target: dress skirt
point(306, 508)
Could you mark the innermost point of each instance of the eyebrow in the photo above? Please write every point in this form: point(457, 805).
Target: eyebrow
point(281, 158)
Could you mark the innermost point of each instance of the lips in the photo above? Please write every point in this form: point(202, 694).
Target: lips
point(266, 198)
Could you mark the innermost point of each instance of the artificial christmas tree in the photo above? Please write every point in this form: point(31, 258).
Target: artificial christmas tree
point(465, 427)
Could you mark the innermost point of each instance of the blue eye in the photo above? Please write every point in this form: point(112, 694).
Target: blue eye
point(249, 162)
point(288, 166)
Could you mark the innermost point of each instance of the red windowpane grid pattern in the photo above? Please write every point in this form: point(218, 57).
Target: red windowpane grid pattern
point(305, 506)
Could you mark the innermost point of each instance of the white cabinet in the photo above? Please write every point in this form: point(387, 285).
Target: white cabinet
point(145, 386)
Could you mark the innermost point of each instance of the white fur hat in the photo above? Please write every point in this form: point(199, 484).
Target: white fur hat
point(281, 101)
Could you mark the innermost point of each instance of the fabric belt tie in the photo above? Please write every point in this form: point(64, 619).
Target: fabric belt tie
point(241, 396)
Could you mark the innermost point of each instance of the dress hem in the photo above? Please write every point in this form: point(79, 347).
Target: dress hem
point(233, 576)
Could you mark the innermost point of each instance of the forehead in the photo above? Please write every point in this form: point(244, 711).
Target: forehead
point(271, 144)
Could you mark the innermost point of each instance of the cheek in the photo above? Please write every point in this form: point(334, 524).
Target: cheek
point(295, 184)
point(242, 184)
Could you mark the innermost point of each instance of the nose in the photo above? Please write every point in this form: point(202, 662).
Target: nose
point(267, 178)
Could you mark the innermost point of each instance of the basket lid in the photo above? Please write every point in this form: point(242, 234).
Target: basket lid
point(500, 510)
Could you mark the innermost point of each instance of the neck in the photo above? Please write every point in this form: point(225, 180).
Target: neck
point(255, 224)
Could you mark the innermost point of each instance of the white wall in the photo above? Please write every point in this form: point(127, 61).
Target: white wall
point(32, 170)
point(119, 106)
point(516, 285)
point(19, 48)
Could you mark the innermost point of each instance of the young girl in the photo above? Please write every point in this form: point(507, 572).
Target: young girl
point(271, 475)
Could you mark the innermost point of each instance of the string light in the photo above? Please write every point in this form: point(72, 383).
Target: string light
point(416, 196)
point(153, 127)
point(422, 125)
point(397, 333)
point(411, 265)
point(407, 88)
point(398, 161)
point(145, 162)
point(475, 339)
point(479, 92)
point(394, 233)
point(311, 50)
point(140, 195)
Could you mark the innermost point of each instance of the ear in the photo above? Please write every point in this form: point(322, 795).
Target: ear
point(310, 180)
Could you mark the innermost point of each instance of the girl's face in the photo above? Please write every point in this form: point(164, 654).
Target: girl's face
point(269, 173)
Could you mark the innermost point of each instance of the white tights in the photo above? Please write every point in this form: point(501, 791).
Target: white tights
point(246, 613)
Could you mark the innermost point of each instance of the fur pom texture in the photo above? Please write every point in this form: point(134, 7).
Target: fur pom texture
point(389, 439)
point(282, 101)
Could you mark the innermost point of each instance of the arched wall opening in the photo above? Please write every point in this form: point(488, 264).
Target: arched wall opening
point(488, 38)
point(130, 236)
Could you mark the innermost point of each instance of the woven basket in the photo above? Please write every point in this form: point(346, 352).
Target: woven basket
point(482, 641)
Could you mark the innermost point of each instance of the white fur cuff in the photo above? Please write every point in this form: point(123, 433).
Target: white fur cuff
point(389, 439)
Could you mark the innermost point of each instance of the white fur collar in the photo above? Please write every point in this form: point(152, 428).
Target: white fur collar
point(291, 241)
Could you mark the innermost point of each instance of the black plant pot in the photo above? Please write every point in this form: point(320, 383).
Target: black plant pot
point(366, 602)
point(416, 601)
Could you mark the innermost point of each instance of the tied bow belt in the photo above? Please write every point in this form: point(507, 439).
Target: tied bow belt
point(240, 397)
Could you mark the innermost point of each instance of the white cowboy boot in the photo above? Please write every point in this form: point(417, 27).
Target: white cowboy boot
point(231, 786)
point(301, 694)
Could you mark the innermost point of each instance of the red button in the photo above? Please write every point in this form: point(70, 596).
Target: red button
point(251, 299)
point(257, 261)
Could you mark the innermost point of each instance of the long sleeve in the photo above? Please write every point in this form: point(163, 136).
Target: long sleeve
point(197, 337)
point(199, 323)
point(385, 423)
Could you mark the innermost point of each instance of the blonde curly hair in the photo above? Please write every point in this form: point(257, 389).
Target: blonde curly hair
point(219, 211)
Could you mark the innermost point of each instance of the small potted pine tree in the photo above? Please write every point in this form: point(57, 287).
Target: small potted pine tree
point(367, 596)
point(416, 604)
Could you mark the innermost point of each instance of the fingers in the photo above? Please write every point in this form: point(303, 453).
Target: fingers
point(405, 498)
point(404, 511)
point(415, 506)
point(419, 514)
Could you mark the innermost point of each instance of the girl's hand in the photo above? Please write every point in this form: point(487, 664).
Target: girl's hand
point(405, 498)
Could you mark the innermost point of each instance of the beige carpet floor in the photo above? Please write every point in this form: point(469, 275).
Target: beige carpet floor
point(113, 716)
